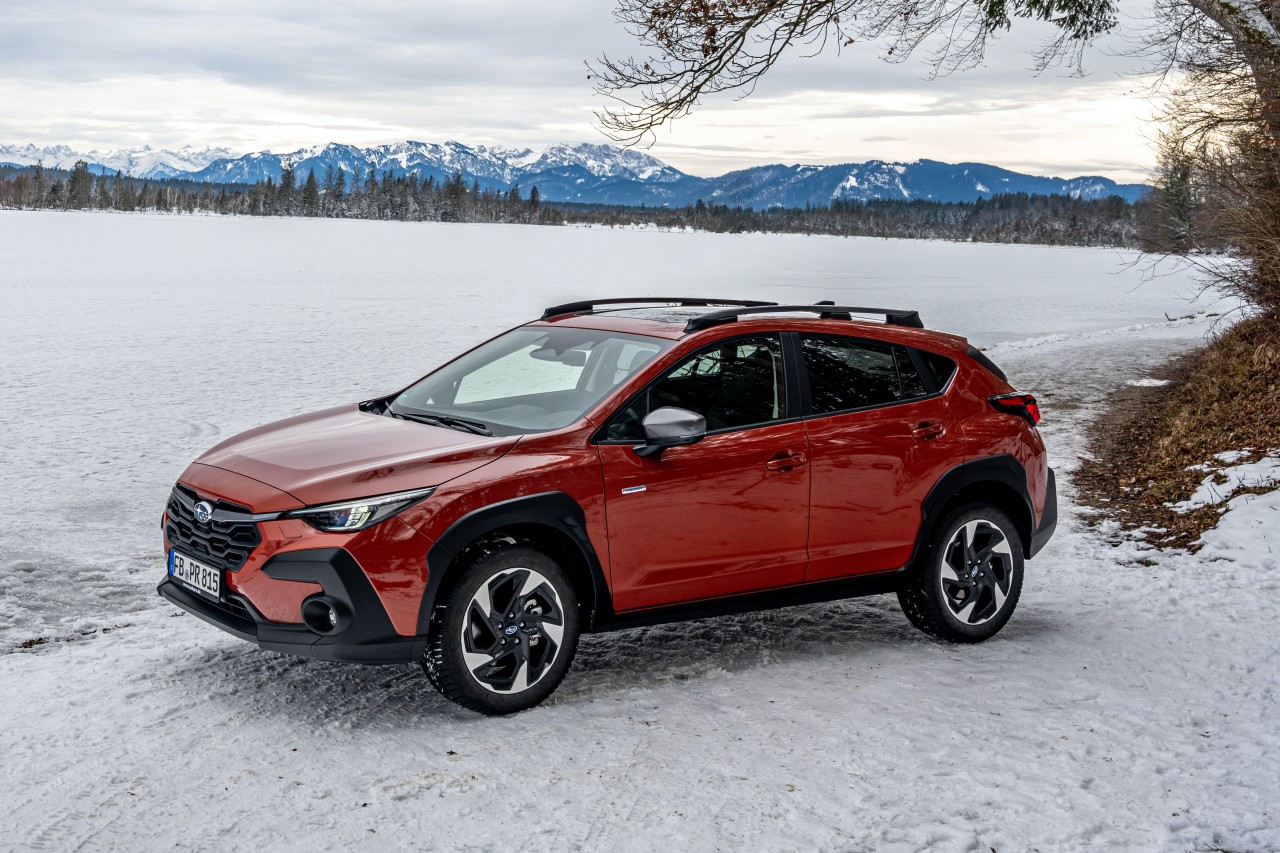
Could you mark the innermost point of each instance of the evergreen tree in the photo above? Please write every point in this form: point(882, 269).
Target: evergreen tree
point(339, 192)
point(311, 195)
point(80, 186)
point(286, 190)
point(371, 201)
point(105, 186)
point(42, 185)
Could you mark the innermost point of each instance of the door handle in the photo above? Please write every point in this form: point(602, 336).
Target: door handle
point(928, 431)
point(785, 463)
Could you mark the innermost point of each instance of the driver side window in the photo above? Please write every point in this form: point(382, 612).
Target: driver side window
point(733, 384)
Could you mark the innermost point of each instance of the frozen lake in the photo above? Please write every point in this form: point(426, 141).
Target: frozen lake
point(130, 343)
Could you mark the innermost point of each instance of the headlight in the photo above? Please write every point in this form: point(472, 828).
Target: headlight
point(359, 514)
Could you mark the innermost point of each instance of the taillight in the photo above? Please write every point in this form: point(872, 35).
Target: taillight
point(1022, 405)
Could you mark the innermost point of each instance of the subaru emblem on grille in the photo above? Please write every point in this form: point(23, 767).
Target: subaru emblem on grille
point(204, 512)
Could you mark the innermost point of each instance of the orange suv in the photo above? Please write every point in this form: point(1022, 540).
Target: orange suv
point(617, 463)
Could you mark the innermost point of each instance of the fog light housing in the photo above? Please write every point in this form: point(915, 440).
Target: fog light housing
point(325, 615)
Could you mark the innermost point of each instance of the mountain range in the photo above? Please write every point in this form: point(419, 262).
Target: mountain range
point(586, 173)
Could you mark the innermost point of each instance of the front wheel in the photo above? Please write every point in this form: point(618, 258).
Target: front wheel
point(969, 577)
point(507, 633)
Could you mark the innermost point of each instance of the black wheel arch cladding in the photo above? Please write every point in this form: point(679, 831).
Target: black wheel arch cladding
point(556, 511)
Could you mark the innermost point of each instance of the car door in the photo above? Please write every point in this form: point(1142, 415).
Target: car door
point(880, 436)
point(726, 515)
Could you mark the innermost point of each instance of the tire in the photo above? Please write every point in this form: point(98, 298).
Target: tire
point(968, 578)
point(488, 661)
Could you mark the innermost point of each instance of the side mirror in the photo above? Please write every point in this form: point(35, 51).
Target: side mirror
point(670, 427)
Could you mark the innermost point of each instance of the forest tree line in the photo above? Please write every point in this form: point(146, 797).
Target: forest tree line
point(336, 195)
point(1005, 218)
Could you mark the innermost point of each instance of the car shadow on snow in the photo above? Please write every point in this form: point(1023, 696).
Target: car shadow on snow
point(320, 693)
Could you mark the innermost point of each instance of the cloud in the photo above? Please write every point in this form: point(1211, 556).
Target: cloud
point(287, 74)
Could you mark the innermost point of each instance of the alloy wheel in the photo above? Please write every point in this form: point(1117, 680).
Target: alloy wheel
point(512, 631)
point(976, 572)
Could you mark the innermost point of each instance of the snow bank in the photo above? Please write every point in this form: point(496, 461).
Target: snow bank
point(1249, 535)
point(1225, 481)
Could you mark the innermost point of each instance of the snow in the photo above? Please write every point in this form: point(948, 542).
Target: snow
point(1246, 537)
point(1130, 704)
point(1252, 16)
point(1223, 482)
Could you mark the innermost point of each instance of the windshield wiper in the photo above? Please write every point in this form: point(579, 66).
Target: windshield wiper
point(444, 421)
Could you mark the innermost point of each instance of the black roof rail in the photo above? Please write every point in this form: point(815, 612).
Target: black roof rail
point(590, 305)
point(824, 310)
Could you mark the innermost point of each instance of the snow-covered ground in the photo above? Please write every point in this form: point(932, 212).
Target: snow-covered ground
point(1132, 702)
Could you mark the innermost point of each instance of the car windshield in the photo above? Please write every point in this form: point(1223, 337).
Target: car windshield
point(532, 379)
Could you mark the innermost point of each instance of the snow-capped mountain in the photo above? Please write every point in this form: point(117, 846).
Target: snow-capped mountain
point(490, 165)
point(590, 173)
point(143, 162)
point(796, 186)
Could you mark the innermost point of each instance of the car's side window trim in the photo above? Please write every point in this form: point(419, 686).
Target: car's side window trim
point(788, 377)
point(796, 377)
point(797, 353)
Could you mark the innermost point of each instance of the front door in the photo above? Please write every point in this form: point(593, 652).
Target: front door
point(726, 515)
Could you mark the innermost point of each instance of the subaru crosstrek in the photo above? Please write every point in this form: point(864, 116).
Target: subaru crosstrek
point(619, 463)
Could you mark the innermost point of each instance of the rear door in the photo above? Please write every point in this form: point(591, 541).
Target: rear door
point(726, 515)
point(880, 435)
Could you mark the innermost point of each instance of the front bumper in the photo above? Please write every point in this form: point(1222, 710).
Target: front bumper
point(1048, 518)
point(368, 637)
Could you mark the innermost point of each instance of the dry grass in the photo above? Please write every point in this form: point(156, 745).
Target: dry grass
point(1223, 397)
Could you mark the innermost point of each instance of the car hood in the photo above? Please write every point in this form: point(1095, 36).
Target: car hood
point(343, 453)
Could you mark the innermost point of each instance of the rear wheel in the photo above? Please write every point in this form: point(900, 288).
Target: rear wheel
point(969, 576)
point(507, 633)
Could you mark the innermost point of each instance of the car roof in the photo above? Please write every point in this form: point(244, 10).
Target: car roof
point(670, 322)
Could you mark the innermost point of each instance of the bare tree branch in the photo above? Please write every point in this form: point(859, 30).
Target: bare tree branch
point(708, 46)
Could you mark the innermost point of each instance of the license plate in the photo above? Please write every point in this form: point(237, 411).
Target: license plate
point(195, 575)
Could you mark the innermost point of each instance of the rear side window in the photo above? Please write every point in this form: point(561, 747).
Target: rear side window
point(939, 366)
point(847, 374)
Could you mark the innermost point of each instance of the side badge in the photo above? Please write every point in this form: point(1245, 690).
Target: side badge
point(631, 490)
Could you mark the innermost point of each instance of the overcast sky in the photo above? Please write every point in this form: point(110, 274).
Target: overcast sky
point(288, 74)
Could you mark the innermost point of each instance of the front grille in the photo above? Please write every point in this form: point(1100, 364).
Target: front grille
point(220, 543)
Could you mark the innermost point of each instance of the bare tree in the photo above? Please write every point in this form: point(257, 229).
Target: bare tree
point(1227, 53)
point(1222, 128)
point(709, 46)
